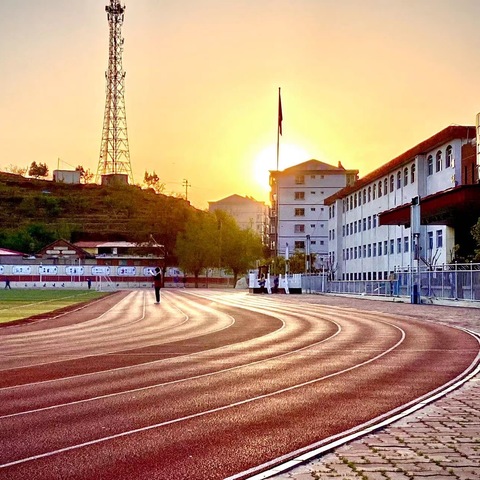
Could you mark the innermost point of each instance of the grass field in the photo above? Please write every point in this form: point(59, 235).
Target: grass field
point(18, 304)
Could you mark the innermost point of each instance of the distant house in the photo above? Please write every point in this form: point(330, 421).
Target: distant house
point(66, 176)
point(248, 213)
point(4, 252)
point(62, 251)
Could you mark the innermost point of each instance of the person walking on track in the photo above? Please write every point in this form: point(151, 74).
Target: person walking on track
point(157, 283)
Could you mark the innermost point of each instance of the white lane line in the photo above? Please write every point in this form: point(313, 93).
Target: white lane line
point(207, 412)
point(186, 319)
point(299, 457)
point(181, 380)
point(73, 358)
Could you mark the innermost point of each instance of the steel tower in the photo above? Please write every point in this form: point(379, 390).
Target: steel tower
point(114, 151)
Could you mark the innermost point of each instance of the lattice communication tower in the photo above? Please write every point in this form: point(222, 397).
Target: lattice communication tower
point(114, 151)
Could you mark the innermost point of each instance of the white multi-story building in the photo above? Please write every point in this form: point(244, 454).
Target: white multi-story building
point(248, 213)
point(299, 217)
point(369, 234)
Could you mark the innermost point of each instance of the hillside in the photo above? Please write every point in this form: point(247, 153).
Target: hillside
point(89, 211)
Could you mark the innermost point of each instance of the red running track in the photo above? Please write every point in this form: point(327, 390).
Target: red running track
point(206, 385)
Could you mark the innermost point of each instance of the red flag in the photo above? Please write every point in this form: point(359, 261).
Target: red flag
point(280, 114)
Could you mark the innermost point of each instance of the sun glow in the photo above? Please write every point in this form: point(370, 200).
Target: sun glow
point(266, 160)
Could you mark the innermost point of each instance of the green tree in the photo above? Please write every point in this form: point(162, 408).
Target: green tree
point(38, 170)
point(239, 248)
point(476, 236)
point(197, 247)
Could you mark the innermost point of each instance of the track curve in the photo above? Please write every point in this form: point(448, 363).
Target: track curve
point(207, 384)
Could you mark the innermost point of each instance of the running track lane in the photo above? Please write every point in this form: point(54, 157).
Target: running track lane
point(238, 401)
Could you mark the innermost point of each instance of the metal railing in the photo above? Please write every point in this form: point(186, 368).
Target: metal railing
point(446, 282)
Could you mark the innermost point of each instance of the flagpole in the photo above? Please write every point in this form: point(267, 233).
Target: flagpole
point(279, 126)
point(279, 132)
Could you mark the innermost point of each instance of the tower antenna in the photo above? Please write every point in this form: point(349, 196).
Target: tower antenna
point(114, 151)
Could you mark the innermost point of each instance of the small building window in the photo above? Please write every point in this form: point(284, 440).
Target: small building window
point(439, 238)
point(299, 179)
point(430, 240)
point(412, 174)
point(399, 179)
point(399, 245)
point(405, 176)
point(299, 228)
point(438, 161)
point(430, 165)
point(374, 192)
point(380, 188)
point(369, 194)
point(449, 157)
point(299, 212)
point(299, 195)
point(405, 244)
point(392, 183)
point(299, 245)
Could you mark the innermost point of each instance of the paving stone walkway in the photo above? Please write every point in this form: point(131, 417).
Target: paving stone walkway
point(440, 441)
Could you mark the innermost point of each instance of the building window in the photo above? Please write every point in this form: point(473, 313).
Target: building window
point(412, 174)
point(438, 161)
point(300, 179)
point(405, 176)
point(355, 200)
point(374, 249)
point(369, 250)
point(430, 240)
point(369, 223)
point(364, 224)
point(385, 251)
point(392, 183)
point(399, 245)
point(299, 212)
point(364, 196)
point(299, 245)
point(439, 238)
point(369, 198)
point(392, 247)
point(312, 209)
point(299, 195)
point(374, 221)
point(312, 225)
point(380, 188)
point(355, 226)
point(449, 157)
point(374, 191)
point(430, 165)
point(299, 228)
point(355, 251)
point(364, 251)
point(405, 244)
point(399, 179)
point(359, 198)
point(385, 186)
point(379, 249)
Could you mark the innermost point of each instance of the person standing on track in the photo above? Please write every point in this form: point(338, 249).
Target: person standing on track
point(157, 283)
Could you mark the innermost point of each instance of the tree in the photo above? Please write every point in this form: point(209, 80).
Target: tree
point(86, 176)
point(16, 170)
point(476, 236)
point(197, 247)
point(38, 170)
point(239, 248)
point(153, 181)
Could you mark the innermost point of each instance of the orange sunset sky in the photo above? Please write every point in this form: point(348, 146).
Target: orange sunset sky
point(362, 81)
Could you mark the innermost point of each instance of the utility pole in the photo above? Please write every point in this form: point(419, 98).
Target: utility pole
point(186, 185)
point(114, 150)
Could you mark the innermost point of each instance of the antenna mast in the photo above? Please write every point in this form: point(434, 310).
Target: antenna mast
point(114, 151)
